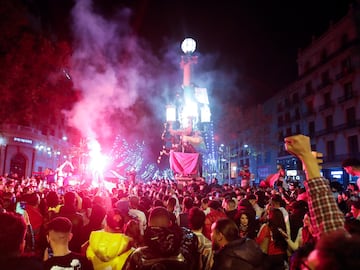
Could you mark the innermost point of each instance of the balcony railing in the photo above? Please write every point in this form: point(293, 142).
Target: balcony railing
point(338, 158)
point(326, 105)
point(308, 92)
point(352, 124)
point(325, 131)
point(308, 113)
point(343, 73)
point(346, 97)
point(323, 85)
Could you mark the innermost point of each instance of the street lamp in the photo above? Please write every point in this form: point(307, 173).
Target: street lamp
point(188, 46)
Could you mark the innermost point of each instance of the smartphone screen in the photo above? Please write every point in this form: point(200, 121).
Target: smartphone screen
point(20, 208)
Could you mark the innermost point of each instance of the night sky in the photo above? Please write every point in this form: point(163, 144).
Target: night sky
point(257, 40)
point(247, 49)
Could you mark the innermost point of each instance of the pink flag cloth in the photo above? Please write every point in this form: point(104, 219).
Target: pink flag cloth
point(184, 163)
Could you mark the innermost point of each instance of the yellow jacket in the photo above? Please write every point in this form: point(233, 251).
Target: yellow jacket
point(108, 250)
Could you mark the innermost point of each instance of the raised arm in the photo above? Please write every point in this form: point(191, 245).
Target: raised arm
point(324, 212)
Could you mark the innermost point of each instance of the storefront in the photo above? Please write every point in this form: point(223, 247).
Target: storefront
point(25, 151)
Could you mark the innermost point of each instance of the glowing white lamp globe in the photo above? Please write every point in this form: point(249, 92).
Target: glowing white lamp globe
point(188, 46)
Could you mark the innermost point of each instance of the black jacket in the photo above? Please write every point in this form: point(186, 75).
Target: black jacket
point(165, 248)
point(21, 263)
point(244, 254)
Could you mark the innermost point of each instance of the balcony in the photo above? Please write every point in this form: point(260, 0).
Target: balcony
point(349, 125)
point(346, 97)
point(308, 113)
point(295, 118)
point(324, 131)
point(337, 158)
point(326, 106)
point(308, 93)
point(343, 73)
point(323, 85)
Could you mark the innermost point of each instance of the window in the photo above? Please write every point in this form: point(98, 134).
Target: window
point(325, 78)
point(346, 64)
point(330, 150)
point(310, 106)
point(18, 164)
point(344, 40)
point(295, 98)
point(351, 116)
point(308, 88)
point(327, 99)
point(280, 121)
point(353, 145)
point(329, 122)
point(287, 117)
point(324, 55)
point(281, 136)
point(288, 132)
point(311, 128)
point(348, 90)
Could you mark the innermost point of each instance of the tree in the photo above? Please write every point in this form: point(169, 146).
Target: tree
point(34, 78)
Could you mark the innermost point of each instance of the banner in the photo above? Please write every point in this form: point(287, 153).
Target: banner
point(184, 163)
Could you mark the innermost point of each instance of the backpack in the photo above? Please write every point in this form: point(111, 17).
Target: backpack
point(141, 259)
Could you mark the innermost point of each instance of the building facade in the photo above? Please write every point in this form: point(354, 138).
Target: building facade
point(323, 103)
point(26, 151)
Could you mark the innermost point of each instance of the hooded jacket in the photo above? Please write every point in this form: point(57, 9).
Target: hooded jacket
point(162, 249)
point(108, 250)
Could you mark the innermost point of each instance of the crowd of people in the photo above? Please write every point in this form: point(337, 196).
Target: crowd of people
point(168, 225)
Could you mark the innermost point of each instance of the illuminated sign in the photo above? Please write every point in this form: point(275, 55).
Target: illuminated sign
point(336, 173)
point(291, 173)
point(22, 140)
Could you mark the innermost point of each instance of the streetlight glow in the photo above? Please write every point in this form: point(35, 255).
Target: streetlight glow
point(188, 46)
point(170, 113)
